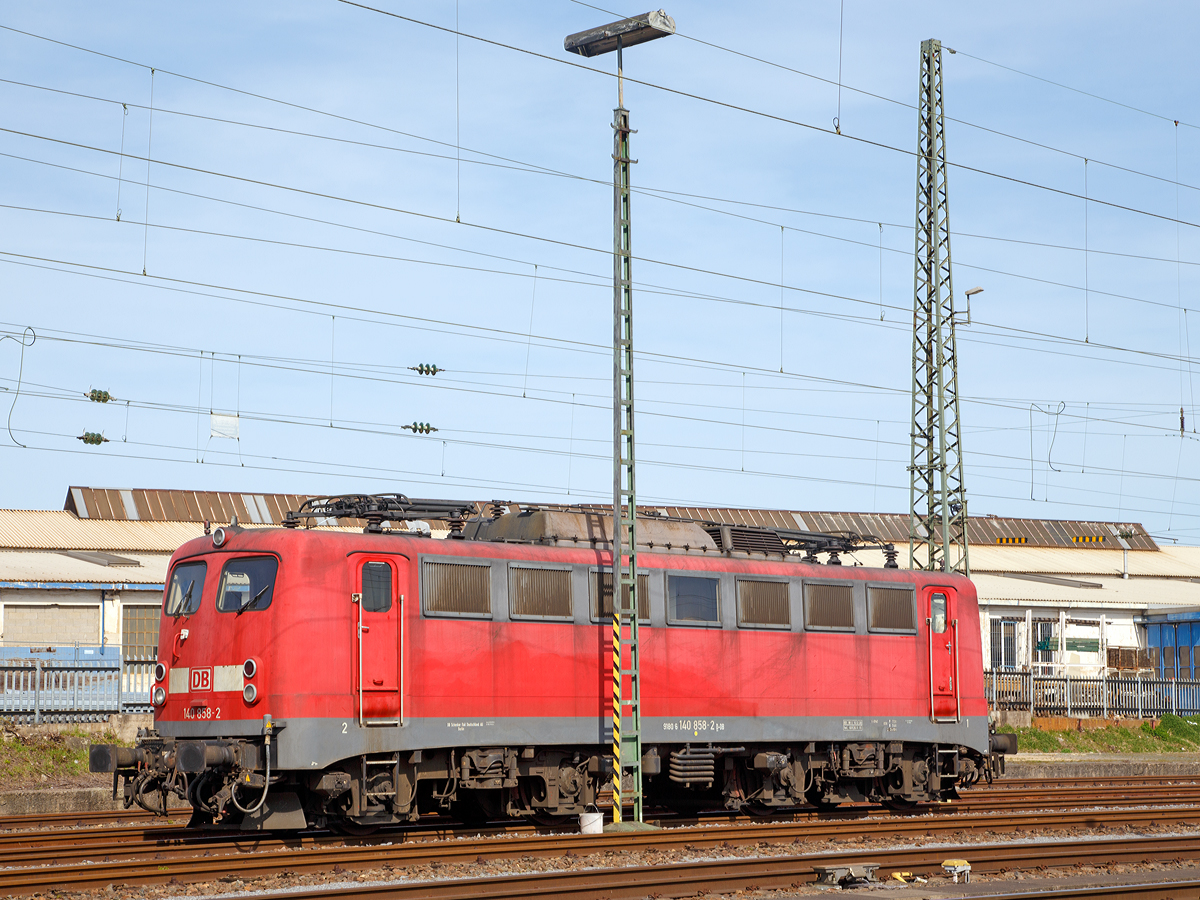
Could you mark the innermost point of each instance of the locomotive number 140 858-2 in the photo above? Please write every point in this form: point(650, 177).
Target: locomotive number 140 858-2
point(202, 712)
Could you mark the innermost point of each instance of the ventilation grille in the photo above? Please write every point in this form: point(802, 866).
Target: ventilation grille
point(542, 593)
point(748, 540)
point(456, 589)
point(829, 606)
point(602, 596)
point(763, 603)
point(891, 609)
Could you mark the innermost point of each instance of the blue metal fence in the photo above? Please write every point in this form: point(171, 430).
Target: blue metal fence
point(1068, 695)
point(39, 690)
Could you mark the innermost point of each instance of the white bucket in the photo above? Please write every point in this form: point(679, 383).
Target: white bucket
point(591, 823)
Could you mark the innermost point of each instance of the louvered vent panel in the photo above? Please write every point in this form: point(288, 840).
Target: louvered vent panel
point(763, 603)
point(456, 588)
point(829, 606)
point(891, 609)
point(539, 592)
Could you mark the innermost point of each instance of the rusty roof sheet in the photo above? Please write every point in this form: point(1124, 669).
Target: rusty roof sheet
point(116, 504)
point(140, 505)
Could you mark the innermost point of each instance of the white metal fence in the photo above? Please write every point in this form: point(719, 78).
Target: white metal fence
point(37, 690)
point(1067, 695)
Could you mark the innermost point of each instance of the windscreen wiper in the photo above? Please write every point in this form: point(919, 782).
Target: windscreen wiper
point(185, 599)
point(246, 604)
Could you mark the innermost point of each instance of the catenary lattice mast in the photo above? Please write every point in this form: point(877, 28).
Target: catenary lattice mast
point(937, 499)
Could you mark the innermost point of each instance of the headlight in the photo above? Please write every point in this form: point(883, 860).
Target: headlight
point(160, 695)
point(250, 693)
point(249, 668)
point(219, 537)
point(160, 671)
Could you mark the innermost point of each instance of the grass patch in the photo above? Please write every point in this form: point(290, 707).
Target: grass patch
point(1174, 734)
point(29, 757)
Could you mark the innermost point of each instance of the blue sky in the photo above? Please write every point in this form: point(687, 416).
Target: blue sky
point(336, 195)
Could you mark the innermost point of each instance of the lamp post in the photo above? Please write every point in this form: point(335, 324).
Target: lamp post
point(626, 711)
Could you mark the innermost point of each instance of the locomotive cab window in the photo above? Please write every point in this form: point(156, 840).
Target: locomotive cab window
point(937, 613)
point(456, 589)
point(536, 593)
point(828, 607)
point(187, 584)
point(376, 587)
point(693, 600)
point(601, 591)
point(247, 584)
point(763, 604)
point(891, 609)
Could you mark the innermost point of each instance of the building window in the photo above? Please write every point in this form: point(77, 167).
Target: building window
point(376, 587)
point(1004, 642)
point(1045, 644)
point(539, 593)
point(456, 589)
point(692, 600)
point(139, 633)
point(829, 607)
point(891, 609)
point(763, 604)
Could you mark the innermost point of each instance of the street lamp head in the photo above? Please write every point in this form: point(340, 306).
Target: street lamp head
point(973, 291)
point(636, 30)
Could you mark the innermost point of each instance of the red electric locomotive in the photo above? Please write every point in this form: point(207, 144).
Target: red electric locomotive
point(310, 677)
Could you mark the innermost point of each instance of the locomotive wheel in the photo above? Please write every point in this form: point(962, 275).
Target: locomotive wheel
point(899, 804)
point(352, 828)
point(814, 797)
point(758, 810)
point(477, 808)
point(551, 820)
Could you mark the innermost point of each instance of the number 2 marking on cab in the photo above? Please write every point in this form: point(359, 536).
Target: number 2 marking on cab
point(343, 728)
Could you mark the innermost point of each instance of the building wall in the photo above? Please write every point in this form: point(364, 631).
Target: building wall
point(51, 623)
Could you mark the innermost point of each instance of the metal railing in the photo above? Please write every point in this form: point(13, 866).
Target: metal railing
point(1068, 695)
point(33, 691)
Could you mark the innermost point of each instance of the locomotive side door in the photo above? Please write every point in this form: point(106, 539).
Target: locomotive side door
point(377, 625)
point(942, 625)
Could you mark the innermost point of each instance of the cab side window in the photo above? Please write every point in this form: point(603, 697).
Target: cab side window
point(937, 613)
point(376, 587)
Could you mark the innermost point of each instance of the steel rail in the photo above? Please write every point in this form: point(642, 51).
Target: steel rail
point(59, 846)
point(683, 879)
point(43, 869)
point(1054, 789)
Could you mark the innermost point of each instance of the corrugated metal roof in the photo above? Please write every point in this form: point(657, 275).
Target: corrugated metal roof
point(40, 529)
point(893, 527)
point(42, 567)
point(1138, 593)
point(219, 507)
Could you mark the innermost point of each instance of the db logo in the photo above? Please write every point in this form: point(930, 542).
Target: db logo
point(201, 679)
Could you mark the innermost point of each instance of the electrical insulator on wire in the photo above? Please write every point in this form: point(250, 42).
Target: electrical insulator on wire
point(425, 369)
point(98, 396)
point(91, 437)
point(419, 427)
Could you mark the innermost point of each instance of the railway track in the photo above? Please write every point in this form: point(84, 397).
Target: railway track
point(1009, 794)
point(123, 855)
point(781, 872)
